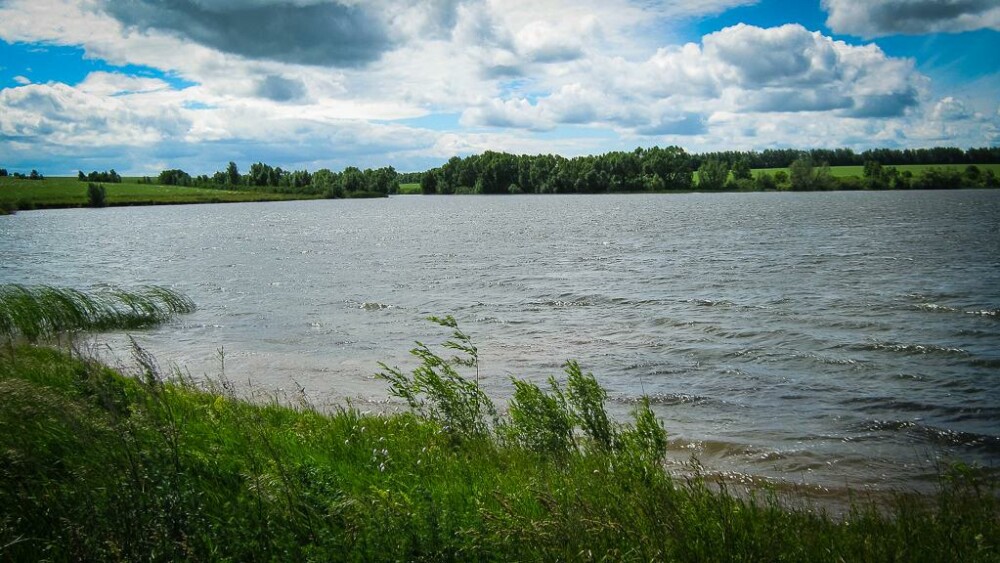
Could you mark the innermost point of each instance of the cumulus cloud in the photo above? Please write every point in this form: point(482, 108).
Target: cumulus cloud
point(740, 69)
point(824, 98)
point(280, 89)
point(950, 109)
point(788, 55)
point(22, 80)
point(59, 114)
point(138, 127)
point(877, 18)
point(553, 42)
point(311, 33)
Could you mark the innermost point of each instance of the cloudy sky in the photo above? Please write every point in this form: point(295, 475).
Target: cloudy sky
point(143, 85)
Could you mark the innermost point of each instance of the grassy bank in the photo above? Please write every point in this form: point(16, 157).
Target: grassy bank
point(50, 193)
point(96, 465)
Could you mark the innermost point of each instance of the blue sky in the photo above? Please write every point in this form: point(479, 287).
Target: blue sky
point(144, 85)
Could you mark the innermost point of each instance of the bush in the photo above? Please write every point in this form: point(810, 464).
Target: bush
point(438, 392)
point(96, 196)
point(539, 421)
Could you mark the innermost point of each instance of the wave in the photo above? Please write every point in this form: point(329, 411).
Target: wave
point(872, 405)
point(991, 313)
point(906, 348)
point(934, 435)
point(670, 399)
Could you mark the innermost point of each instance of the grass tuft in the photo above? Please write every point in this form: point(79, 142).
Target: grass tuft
point(43, 312)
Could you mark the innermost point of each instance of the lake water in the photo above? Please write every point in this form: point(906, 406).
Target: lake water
point(822, 338)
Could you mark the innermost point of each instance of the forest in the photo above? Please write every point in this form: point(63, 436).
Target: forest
point(656, 169)
point(673, 169)
point(351, 182)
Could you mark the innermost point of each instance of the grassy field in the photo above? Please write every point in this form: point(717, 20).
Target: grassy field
point(70, 192)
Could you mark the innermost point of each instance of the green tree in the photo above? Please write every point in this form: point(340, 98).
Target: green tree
point(233, 177)
point(874, 176)
point(765, 182)
point(712, 175)
point(429, 183)
point(801, 173)
point(174, 177)
point(741, 169)
point(353, 180)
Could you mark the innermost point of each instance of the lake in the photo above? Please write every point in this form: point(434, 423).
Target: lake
point(822, 338)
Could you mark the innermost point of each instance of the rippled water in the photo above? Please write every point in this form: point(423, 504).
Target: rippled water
point(828, 338)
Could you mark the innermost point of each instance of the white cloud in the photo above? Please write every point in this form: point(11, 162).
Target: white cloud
point(114, 84)
point(740, 69)
point(877, 18)
point(22, 80)
point(61, 115)
point(787, 56)
point(950, 109)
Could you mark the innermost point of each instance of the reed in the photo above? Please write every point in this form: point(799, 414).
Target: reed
point(42, 312)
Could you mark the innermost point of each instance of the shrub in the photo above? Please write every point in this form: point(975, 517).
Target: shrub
point(96, 196)
point(438, 392)
point(545, 422)
point(539, 421)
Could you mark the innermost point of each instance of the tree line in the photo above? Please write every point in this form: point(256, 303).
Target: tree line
point(673, 169)
point(108, 177)
point(33, 175)
point(351, 182)
point(783, 158)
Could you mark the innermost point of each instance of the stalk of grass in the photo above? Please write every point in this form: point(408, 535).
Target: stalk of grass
point(43, 312)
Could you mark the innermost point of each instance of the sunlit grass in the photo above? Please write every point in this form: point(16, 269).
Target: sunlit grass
point(409, 189)
point(70, 192)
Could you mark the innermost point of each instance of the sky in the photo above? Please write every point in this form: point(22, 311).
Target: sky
point(145, 85)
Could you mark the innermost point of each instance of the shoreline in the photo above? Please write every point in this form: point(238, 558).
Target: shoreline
point(142, 464)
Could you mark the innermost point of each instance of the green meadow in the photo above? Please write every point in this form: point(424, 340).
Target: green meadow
point(409, 189)
point(26, 194)
point(137, 464)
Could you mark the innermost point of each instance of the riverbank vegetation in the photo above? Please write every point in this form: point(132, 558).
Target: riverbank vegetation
point(137, 464)
point(672, 169)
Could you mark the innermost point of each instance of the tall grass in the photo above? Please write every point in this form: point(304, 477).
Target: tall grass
point(97, 466)
point(41, 312)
